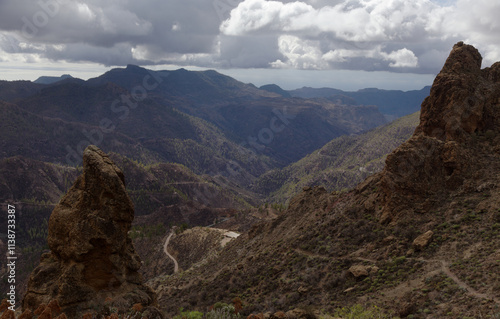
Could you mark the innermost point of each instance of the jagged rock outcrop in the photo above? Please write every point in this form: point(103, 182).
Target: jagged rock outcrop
point(92, 259)
point(463, 97)
point(442, 155)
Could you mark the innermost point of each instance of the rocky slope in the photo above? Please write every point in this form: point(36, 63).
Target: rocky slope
point(420, 238)
point(91, 257)
point(187, 247)
point(148, 131)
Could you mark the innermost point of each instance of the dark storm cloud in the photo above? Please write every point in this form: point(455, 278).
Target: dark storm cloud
point(155, 28)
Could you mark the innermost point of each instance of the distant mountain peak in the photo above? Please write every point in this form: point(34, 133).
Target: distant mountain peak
point(274, 88)
point(133, 66)
point(52, 79)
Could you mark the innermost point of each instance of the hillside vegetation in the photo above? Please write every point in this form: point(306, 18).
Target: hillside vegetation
point(340, 164)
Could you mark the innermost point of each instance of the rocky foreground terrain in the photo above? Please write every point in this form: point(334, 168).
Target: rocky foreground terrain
point(420, 239)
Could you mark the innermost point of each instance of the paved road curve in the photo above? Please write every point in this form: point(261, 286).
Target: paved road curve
point(165, 249)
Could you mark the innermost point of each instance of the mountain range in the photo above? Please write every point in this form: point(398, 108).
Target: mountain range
point(182, 106)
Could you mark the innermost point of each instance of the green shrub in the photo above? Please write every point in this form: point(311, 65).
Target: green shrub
point(222, 313)
point(189, 315)
point(360, 312)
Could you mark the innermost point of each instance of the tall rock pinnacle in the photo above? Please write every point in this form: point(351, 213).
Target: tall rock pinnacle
point(459, 131)
point(92, 258)
point(461, 101)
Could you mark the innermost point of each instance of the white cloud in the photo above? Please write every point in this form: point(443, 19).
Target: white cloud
point(84, 12)
point(176, 27)
point(251, 16)
point(477, 23)
point(300, 54)
point(343, 55)
point(403, 58)
point(491, 54)
point(386, 32)
point(368, 20)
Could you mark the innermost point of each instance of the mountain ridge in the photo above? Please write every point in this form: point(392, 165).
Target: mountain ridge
point(52, 79)
point(157, 106)
point(391, 103)
point(246, 114)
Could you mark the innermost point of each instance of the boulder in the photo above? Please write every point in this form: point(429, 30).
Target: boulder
point(423, 240)
point(358, 271)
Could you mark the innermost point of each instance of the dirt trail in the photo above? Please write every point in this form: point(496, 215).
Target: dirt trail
point(311, 254)
point(165, 249)
point(444, 268)
point(463, 285)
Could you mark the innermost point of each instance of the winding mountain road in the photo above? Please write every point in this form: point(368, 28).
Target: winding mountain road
point(165, 249)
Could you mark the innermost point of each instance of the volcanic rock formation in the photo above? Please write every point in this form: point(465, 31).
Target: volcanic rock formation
point(445, 152)
point(92, 259)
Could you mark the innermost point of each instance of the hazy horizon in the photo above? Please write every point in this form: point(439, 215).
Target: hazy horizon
point(286, 79)
point(346, 44)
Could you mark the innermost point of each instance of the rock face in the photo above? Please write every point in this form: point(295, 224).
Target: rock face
point(92, 259)
point(458, 103)
point(463, 105)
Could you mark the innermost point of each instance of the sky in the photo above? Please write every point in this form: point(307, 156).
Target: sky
point(346, 44)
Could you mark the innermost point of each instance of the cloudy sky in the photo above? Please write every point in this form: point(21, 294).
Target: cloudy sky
point(347, 44)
